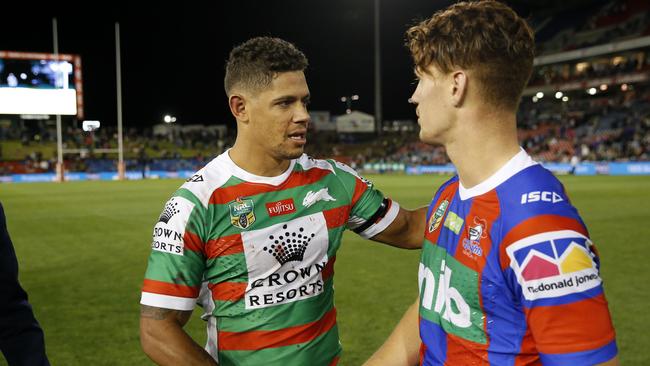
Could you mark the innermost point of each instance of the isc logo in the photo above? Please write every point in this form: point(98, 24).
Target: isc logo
point(544, 196)
point(445, 295)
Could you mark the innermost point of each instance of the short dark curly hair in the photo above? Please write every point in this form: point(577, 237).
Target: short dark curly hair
point(253, 64)
point(487, 37)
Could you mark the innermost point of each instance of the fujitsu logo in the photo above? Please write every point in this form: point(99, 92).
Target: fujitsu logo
point(281, 207)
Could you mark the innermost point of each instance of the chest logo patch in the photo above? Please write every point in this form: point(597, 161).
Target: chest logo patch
point(320, 195)
point(286, 262)
point(242, 213)
point(475, 232)
point(290, 245)
point(436, 218)
point(281, 207)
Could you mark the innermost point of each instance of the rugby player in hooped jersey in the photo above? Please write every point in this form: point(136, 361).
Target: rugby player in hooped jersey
point(260, 226)
point(508, 274)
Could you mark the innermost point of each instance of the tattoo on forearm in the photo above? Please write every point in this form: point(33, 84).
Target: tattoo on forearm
point(154, 312)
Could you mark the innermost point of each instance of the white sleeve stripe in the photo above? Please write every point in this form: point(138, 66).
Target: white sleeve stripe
point(168, 302)
point(380, 226)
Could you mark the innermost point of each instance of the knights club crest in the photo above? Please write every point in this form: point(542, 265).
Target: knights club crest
point(242, 213)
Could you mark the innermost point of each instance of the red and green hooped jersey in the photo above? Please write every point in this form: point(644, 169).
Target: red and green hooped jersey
point(265, 249)
point(509, 277)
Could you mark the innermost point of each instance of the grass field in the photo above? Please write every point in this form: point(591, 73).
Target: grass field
point(83, 246)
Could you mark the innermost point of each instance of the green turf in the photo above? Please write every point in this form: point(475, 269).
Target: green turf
point(83, 247)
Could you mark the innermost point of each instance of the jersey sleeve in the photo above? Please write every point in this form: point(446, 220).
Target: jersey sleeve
point(177, 261)
point(371, 212)
point(553, 271)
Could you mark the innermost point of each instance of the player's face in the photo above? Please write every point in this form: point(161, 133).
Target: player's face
point(431, 105)
point(279, 117)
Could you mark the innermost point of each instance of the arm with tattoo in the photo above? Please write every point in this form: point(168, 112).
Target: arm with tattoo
point(163, 339)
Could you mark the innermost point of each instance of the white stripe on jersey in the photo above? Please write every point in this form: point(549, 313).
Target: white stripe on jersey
point(167, 302)
point(206, 302)
point(380, 226)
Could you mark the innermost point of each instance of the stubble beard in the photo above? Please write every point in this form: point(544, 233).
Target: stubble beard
point(285, 153)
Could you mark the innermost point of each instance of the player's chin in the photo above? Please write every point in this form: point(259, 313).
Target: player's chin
point(428, 138)
point(292, 152)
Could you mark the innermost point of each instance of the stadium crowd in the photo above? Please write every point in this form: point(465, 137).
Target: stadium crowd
point(613, 125)
point(605, 122)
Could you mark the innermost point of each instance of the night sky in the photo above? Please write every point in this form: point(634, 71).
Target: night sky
point(173, 55)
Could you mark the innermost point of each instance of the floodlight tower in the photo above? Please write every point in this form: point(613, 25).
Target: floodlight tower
point(60, 168)
point(121, 167)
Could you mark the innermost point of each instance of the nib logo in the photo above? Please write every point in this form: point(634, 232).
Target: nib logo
point(169, 211)
point(289, 246)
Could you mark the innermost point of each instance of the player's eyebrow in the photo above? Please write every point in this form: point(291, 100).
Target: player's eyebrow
point(291, 98)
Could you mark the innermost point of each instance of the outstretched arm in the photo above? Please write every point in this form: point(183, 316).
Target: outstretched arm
point(163, 339)
point(403, 345)
point(406, 231)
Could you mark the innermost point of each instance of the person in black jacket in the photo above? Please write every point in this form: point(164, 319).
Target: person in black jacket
point(21, 338)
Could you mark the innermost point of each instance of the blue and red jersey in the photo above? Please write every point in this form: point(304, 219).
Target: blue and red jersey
point(509, 276)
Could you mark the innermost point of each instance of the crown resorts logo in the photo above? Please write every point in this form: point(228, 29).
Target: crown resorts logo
point(289, 246)
point(169, 211)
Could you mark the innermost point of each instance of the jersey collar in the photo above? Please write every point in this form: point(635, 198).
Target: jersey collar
point(519, 162)
point(250, 177)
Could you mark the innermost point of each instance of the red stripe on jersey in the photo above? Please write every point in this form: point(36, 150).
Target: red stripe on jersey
point(192, 242)
point(537, 225)
point(225, 245)
point(335, 361)
point(359, 189)
point(260, 339)
point(228, 291)
point(328, 271)
point(447, 194)
point(246, 189)
point(463, 352)
point(423, 350)
point(336, 217)
point(171, 289)
point(487, 205)
point(580, 326)
point(528, 355)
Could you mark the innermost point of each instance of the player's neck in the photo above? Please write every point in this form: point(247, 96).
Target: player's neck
point(482, 147)
point(254, 160)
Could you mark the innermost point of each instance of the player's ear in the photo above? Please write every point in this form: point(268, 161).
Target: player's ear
point(458, 87)
point(237, 104)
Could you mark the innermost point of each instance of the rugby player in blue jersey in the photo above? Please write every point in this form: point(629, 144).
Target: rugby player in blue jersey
point(508, 273)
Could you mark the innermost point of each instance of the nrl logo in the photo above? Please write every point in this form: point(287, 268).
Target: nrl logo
point(242, 214)
point(436, 218)
point(320, 195)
